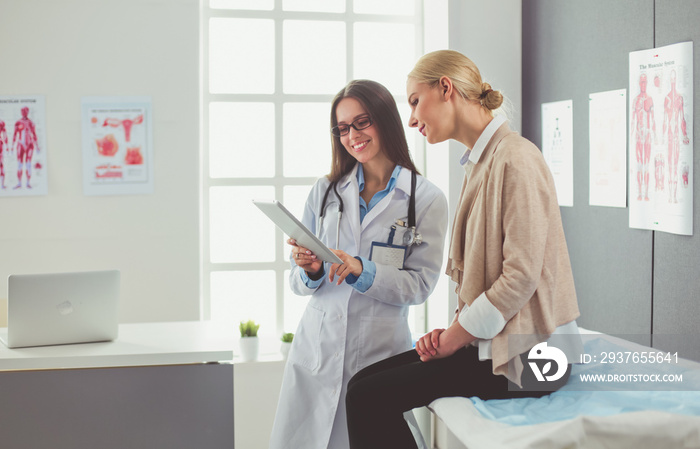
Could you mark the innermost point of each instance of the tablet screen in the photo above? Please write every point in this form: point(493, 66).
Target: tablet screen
point(295, 229)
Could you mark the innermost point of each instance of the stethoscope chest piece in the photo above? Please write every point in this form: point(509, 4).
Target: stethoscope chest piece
point(412, 237)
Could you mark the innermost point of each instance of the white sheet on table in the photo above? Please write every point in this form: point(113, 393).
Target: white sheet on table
point(575, 418)
point(634, 430)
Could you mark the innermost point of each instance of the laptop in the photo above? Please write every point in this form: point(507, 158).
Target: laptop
point(61, 308)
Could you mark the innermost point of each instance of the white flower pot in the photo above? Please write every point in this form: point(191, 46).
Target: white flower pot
point(284, 349)
point(249, 348)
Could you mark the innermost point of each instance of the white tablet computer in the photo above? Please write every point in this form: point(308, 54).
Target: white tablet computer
point(289, 224)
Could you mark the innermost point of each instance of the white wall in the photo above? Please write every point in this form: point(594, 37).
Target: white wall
point(73, 48)
point(256, 390)
point(490, 34)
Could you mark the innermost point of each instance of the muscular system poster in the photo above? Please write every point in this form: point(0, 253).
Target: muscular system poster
point(117, 146)
point(23, 167)
point(661, 139)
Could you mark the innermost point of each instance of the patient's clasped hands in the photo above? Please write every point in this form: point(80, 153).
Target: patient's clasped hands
point(427, 346)
point(441, 343)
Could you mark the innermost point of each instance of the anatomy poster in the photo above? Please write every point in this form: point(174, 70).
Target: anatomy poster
point(117, 146)
point(661, 139)
point(23, 168)
point(557, 147)
point(607, 113)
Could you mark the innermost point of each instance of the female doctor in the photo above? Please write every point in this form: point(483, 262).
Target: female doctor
point(388, 226)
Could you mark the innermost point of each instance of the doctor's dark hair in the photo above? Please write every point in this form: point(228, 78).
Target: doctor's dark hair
point(381, 107)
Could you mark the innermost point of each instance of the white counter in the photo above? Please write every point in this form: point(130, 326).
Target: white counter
point(139, 344)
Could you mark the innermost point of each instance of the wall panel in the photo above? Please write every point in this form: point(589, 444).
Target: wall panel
point(572, 49)
point(677, 258)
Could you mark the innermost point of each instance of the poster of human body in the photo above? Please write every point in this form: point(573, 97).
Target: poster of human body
point(661, 140)
point(23, 167)
point(117, 146)
point(558, 147)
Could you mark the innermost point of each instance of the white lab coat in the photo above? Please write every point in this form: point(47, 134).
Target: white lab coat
point(343, 330)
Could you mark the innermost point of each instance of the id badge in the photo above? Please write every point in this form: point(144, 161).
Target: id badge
point(387, 254)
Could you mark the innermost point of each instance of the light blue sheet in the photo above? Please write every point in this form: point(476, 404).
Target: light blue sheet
point(576, 398)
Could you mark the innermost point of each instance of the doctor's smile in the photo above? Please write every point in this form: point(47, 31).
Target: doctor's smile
point(360, 146)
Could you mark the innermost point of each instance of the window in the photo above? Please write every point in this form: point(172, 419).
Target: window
point(270, 69)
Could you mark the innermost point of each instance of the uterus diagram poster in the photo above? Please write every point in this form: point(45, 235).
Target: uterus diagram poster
point(117, 145)
point(23, 151)
point(661, 139)
point(558, 147)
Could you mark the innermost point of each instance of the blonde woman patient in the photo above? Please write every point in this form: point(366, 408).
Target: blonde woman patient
point(507, 256)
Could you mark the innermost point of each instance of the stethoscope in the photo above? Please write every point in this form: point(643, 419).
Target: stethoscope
point(410, 237)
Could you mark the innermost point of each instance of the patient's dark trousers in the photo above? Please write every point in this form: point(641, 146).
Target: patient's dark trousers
point(378, 395)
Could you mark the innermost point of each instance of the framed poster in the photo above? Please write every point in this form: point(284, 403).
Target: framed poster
point(117, 145)
point(23, 152)
point(661, 139)
point(558, 147)
point(607, 137)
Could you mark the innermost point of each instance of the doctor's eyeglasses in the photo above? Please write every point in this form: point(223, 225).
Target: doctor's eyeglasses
point(359, 124)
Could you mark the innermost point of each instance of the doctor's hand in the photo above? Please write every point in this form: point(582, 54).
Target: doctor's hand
point(349, 265)
point(305, 259)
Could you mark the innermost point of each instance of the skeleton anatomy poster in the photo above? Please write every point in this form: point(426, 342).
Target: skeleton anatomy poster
point(661, 139)
point(558, 147)
point(23, 169)
point(117, 146)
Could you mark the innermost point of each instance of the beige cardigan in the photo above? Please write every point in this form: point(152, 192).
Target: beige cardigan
point(508, 242)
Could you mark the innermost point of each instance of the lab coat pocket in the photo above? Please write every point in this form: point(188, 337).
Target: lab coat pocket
point(307, 341)
point(381, 337)
point(379, 234)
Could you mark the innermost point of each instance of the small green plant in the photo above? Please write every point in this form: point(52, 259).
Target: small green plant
point(288, 337)
point(249, 328)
